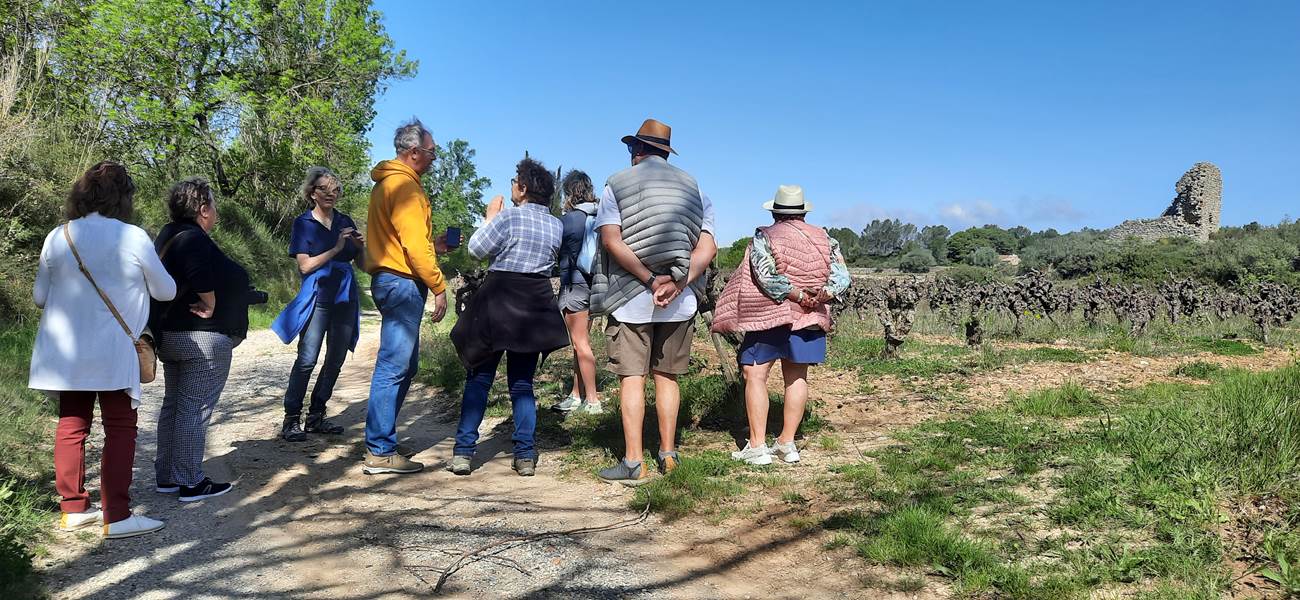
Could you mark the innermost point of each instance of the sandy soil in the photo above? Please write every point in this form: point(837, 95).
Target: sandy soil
point(304, 522)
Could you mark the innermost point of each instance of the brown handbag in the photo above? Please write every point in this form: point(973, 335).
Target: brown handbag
point(144, 349)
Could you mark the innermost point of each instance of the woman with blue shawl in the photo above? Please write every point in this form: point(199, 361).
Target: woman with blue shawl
point(324, 242)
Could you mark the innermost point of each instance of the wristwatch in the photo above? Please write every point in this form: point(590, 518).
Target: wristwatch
point(650, 282)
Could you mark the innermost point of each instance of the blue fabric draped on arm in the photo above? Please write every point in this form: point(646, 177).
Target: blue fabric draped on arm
point(291, 321)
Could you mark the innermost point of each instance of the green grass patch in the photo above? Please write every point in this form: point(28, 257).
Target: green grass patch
point(1136, 490)
point(1069, 400)
point(1197, 369)
point(699, 482)
point(26, 464)
point(1222, 347)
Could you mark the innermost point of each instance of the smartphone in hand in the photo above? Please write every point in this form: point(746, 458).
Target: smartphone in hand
point(453, 237)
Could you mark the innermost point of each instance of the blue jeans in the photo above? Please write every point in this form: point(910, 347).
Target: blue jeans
point(401, 307)
point(520, 369)
point(334, 325)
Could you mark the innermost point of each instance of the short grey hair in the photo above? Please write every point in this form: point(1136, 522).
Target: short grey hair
point(409, 135)
point(314, 175)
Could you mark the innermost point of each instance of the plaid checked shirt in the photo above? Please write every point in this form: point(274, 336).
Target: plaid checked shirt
point(521, 239)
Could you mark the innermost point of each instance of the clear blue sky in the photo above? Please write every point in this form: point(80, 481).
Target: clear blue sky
point(1046, 114)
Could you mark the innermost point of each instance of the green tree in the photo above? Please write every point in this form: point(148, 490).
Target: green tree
point(246, 92)
point(919, 260)
point(885, 237)
point(963, 243)
point(730, 257)
point(455, 192)
point(935, 239)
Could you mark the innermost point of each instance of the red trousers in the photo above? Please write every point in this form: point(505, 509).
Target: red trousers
point(76, 411)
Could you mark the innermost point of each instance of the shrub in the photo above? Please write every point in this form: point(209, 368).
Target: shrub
point(983, 257)
point(916, 261)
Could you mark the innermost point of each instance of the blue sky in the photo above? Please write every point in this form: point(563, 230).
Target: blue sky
point(1046, 114)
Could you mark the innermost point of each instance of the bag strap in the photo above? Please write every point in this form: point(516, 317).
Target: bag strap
point(84, 271)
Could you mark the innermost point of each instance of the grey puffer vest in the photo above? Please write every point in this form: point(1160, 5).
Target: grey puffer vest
point(662, 213)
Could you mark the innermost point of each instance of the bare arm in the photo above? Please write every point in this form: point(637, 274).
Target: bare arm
point(611, 239)
point(701, 257)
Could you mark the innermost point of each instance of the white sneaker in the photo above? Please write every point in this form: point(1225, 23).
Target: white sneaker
point(592, 408)
point(131, 526)
point(568, 404)
point(788, 451)
point(75, 521)
point(753, 456)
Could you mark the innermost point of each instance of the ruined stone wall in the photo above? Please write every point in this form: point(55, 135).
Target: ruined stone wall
point(1194, 212)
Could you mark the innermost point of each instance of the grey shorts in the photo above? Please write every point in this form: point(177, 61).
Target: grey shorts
point(575, 297)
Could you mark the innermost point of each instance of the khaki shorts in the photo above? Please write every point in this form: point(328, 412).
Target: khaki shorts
point(639, 349)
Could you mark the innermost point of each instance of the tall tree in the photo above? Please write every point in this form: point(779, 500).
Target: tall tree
point(246, 92)
point(886, 237)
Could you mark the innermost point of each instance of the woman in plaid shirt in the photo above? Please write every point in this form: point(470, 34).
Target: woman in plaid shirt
point(513, 313)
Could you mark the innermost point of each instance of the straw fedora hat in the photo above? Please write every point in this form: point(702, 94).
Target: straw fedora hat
point(653, 133)
point(788, 201)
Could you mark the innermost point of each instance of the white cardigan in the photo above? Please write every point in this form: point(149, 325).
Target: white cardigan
point(79, 345)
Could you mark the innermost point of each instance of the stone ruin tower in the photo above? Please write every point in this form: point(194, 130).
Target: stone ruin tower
point(1194, 212)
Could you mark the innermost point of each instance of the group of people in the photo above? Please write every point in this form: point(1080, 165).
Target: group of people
point(637, 255)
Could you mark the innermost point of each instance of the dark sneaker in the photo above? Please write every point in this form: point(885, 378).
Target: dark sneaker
point(393, 463)
point(667, 461)
point(317, 423)
point(205, 489)
point(291, 431)
point(167, 488)
point(459, 465)
point(525, 467)
point(621, 473)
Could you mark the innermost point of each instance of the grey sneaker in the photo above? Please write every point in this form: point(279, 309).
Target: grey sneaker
point(459, 465)
point(629, 476)
point(393, 463)
point(526, 467)
point(568, 404)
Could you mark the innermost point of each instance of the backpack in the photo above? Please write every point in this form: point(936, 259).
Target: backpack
point(586, 262)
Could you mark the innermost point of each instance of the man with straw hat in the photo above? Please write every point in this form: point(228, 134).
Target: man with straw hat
point(779, 299)
point(656, 230)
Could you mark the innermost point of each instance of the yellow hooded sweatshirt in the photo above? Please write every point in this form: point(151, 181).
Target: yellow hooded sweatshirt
point(398, 230)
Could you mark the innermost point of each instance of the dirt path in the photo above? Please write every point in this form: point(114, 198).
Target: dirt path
point(304, 522)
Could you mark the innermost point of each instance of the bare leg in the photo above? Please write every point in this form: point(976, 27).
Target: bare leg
point(632, 407)
point(796, 398)
point(756, 401)
point(668, 398)
point(584, 379)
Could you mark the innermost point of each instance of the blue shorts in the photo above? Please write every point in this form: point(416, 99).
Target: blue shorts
point(806, 346)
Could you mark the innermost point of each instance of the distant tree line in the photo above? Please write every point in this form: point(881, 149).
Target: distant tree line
point(1234, 257)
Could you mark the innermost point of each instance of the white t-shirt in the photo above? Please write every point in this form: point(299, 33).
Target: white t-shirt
point(79, 344)
point(641, 308)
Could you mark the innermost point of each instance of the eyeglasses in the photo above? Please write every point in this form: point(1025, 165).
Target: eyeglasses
point(633, 148)
point(433, 152)
point(327, 189)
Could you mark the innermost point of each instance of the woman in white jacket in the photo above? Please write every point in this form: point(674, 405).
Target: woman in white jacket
point(81, 351)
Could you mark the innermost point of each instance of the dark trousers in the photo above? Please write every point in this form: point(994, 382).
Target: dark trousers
point(520, 369)
point(76, 411)
point(334, 325)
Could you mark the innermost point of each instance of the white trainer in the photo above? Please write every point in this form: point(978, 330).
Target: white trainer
point(568, 404)
point(753, 456)
point(592, 408)
point(131, 526)
point(787, 451)
point(75, 521)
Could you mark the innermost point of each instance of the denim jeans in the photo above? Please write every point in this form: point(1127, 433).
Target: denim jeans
point(334, 325)
point(520, 369)
point(401, 308)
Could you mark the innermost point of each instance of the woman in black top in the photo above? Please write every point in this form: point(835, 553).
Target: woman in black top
point(196, 333)
point(575, 291)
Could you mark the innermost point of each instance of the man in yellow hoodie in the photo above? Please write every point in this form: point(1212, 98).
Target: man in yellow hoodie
point(402, 259)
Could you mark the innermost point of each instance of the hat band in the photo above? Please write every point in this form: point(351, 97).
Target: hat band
point(788, 206)
point(651, 138)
